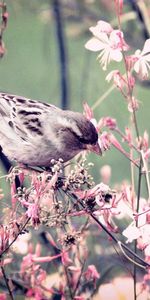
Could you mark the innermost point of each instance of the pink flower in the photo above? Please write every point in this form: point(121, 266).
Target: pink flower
point(110, 123)
point(51, 240)
point(147, 251)
point(33, 212)
point(110, 42)
point(4, 237)
point(117, 145)
point(104, 141)
point(147, 279)
point(142, 64)
point(36, 293)
point(21, 244)
point(3, 296)
point(133, 105)
point(1, 194)
point(147, 154)
point(128, 135)
point(119, 81)
point(128, 195)
point(117, 78)
point(101, 27)
point(91, 274)
point(7, 261)
point(13, 194)
point(119, 6)
point(66, 260)
point(2, 49)
point(45, 258)
point(21, 177)
point(88, 111)
point(89, 114)
point(145, 140)
point(144, 145)
point(105, 173)
point(130, 61)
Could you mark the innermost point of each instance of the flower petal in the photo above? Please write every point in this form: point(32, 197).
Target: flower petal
point(105, 26)
point(94, 45)
point(146, 47)
point(101, 28)
point(116, 55)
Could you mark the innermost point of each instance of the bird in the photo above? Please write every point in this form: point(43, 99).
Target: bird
point(34, 133)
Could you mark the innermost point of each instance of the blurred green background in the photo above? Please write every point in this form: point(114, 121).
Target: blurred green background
point(31, 68)
point(31, 65)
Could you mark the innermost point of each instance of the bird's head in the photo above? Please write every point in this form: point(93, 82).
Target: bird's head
point(78, 133)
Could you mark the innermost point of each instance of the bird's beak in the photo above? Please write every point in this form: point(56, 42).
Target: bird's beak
point(95, 148)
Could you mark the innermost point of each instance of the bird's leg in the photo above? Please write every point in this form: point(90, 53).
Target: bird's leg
point(48, 169)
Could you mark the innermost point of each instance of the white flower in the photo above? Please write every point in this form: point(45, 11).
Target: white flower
point(110, 42)
point(142, 64)
point(131, 233)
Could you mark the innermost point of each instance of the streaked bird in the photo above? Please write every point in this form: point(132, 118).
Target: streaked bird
point(34, 133)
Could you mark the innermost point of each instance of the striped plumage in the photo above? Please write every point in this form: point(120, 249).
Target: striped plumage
point(33, 132)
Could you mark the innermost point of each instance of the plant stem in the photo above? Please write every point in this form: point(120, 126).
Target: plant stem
point(103, 97)
point(137, 210)
point(22, 228)
point(118, 242)
point(146, 175)
point(7, 283)
point(78, 282)
point(145, 264)
point(68, 282)
point(126, 140)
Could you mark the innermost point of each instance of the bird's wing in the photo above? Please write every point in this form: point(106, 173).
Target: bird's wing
point(23, 116)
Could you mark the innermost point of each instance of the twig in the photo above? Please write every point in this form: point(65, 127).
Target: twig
point(126, 155)
point(68, 282)
point(123, 259)
point(79, 278)
point(91, 214)
point(130, 259)
point(119, 242)
point(7, 283)
point(146, 174)
point(137, 210)
point(22, 228)
point(126, 140)
point(103, 97)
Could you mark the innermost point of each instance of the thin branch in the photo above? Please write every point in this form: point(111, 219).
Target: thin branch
point(7, 283)
point(130, 259)
point(146, 174)
point(137, 210)
point(91, 214)
point(127, 156)
point(103, 97)
point(21, 229)
point(79, 278)
point(68, 282)
point(145, 264)
point(126, 140)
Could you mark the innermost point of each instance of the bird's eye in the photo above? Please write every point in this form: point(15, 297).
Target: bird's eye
point(83, 140)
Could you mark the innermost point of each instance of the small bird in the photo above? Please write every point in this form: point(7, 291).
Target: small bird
point(33, 133)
